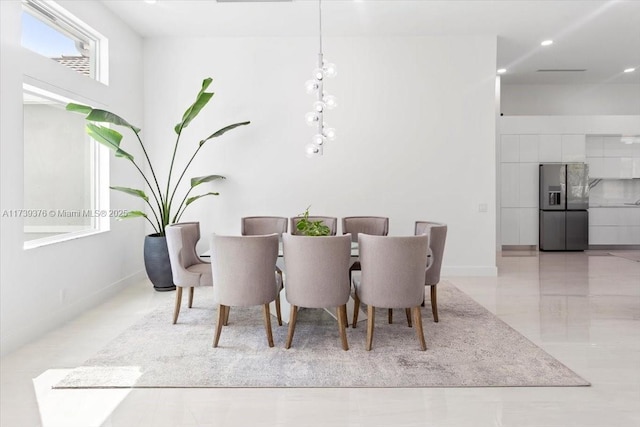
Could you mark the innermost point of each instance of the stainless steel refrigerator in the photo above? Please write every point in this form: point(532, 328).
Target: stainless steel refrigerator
point(564, 203)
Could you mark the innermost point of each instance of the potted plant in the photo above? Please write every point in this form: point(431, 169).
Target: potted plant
point(165, 205)
point(311, 228)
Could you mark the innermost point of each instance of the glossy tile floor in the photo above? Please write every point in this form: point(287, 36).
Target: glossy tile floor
point(583, 309)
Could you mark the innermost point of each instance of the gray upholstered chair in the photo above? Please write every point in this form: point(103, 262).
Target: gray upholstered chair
point(261, 225)
point(374, 225)
point(437, 233)
point(317, 277)
point(329, 221)
point(244, 272)
point(392, 277)
point(189, 271)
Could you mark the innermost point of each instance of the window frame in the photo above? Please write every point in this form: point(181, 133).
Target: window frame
point(99, 175)
point(61, 20)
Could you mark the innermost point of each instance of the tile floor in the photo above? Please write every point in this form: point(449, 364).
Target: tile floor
point(584, 310)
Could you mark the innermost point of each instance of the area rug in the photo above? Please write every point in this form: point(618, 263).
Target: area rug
point(469, 347)
point(630, 255)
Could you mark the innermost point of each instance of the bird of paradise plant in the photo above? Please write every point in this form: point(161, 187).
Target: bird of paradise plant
point(160, 201)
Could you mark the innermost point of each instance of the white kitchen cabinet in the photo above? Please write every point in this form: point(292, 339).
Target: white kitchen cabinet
point(617, 167)
point(509, 183)
point(529, 148)
point(635, 167)
point(549, 148)
point(614, 226)
point(510, 148)
point(603, 235)
point(594, 146)
point(510, 226)
point(614, 147)
point(573, 148)
point(528, 185)
point(528, 226)
point(629, 216)
point(596, 167)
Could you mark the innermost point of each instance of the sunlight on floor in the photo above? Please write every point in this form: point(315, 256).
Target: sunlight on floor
point(74, 407)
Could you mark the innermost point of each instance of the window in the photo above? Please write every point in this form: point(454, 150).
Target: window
point(65, 187)
point(52, 32)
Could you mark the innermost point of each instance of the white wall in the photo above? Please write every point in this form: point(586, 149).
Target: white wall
point(41, 288)
point(575, 99)
point(416, 132)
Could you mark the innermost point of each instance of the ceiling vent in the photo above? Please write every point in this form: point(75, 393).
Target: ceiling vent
point(562, 70)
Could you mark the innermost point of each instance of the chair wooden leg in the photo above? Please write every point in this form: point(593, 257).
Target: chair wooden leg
point(267, 324)
point(225, 320)
point(346, 319)
point(371, 317)
point(221, 314)
point(190, 296)
point(356, 310)
point(390, 315)
point(278, 312)
point(434, 303)
point(417, 319)
point(407, 312)
point(292, 325)
point(176, 310)
point(341, 314)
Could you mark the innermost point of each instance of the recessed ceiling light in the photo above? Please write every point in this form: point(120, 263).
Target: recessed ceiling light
point(150, 1)
point(502, 70)
point(547, 43)
point(629, 70)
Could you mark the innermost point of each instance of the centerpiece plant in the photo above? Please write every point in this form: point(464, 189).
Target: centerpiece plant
point(311, 228)
point(163, 206)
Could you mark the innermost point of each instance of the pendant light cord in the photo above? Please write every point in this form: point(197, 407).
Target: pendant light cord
point(320, 22)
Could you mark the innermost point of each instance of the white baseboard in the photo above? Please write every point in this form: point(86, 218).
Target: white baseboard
point(38, 327)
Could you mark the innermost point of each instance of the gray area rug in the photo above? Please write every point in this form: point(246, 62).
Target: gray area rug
point(630, 255)
point(469, 347)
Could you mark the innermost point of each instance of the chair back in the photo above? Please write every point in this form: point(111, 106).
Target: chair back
point(262, 225)
point(437, 233)
point(374, 225)
point(317, 270)
point(329, 221)
point(243, 269)
point(181, 243)
point(392, 270)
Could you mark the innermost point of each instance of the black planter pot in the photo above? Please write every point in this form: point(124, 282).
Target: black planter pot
point(157, 264)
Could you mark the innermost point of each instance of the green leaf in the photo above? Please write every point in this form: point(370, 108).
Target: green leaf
point(109, 138)
point(132, 191)
point(223, 131)
point(104, 116)
point(78, 108)
point(132, 214)
point(194, 198)
point(202, 99)
point(202, 179)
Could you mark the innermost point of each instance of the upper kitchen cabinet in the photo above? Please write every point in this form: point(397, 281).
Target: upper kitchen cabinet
point(613, 156)
point(550, 148)
point(573, 148)
point(510, 148)
point(529, 148)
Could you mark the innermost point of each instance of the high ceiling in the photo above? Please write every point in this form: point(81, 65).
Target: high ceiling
point(601, 37)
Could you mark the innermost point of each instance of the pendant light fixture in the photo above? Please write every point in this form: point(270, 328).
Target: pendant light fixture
point(324, 100)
